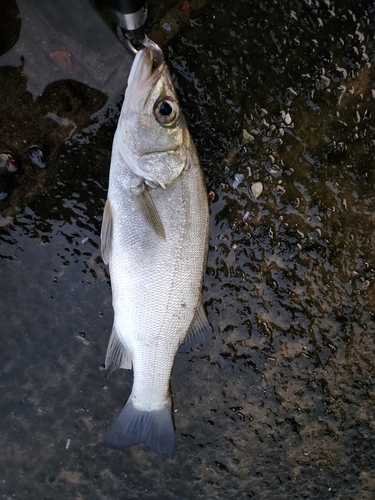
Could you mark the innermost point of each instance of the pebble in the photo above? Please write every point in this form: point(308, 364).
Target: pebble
point(257, 189)
point(238, 178)
point(246, 136)
point(167, 27)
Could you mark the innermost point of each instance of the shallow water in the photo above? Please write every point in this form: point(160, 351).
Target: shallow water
point(281, 405)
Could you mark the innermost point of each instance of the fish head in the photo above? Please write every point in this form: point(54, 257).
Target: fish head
point(152, 135)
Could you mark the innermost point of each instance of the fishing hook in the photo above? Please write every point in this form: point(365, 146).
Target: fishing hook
point(156, 51)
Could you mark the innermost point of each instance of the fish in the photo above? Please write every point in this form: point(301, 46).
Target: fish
point(154, 237)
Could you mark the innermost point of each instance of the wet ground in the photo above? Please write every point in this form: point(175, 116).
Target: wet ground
point(281, 405)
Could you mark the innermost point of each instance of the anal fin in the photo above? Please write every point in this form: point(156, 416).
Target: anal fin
point(199, 332)
point(117, 355)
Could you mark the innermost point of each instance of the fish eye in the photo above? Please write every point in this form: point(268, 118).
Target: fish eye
point(166, 111)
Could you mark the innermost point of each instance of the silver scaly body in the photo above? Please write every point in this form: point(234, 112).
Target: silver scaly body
point(154, 237)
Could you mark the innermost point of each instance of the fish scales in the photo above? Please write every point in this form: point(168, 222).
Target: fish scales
point(154, 237)
point(167, 281)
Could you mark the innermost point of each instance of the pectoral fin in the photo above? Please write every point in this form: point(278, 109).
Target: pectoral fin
point(117, 355)
point(199, 332)
point(146, 206)
point(106, 233)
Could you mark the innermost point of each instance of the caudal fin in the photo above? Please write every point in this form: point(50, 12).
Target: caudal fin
point(153, 428)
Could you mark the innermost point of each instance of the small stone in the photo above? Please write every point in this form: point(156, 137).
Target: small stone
point(246, 136)
point(257, 189)
point(238, 178)
point(167, 27)
point(288, 119)
point(322, 83)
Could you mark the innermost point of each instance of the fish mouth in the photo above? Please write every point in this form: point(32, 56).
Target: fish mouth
point(143, 75)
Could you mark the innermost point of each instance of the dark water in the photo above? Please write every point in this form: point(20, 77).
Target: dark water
point(281, 405)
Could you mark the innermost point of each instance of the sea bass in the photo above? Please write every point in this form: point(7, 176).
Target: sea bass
point(154, 238)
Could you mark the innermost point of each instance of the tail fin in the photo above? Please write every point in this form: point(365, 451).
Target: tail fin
point(153, 428)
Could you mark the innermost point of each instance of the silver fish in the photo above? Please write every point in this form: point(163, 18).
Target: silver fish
point(154, 238)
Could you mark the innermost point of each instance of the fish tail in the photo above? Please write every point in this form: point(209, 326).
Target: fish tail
point(153, 428)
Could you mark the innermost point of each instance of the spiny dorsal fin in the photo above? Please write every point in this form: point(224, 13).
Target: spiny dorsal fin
point(106, 233)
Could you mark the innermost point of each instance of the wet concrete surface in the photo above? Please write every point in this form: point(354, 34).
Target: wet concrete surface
point(281, 405)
